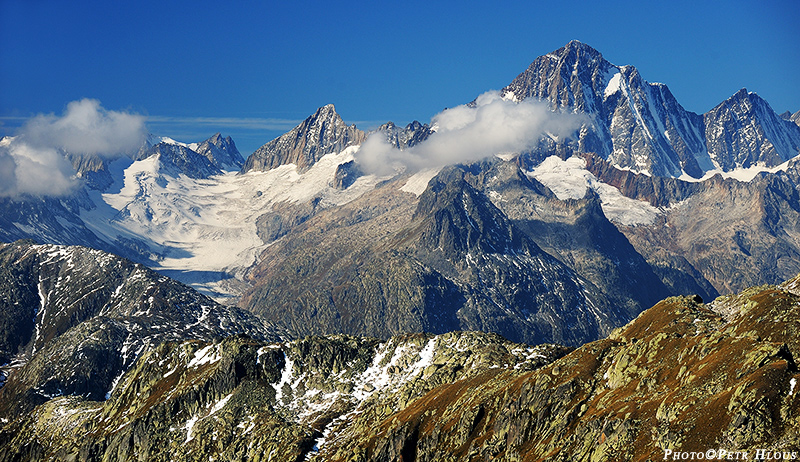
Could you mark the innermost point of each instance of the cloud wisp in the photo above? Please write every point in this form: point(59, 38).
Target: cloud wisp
point(470, 133)
point(245, 123)
point(33, 162)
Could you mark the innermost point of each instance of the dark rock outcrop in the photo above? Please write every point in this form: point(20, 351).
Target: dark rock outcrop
point(73, 319)
point(346, 174)
point(221, 152)
point(402, 138)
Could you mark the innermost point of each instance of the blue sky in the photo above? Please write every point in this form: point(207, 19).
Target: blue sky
point(253, 70)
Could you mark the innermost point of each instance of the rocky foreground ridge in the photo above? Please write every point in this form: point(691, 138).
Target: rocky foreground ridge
point(685, 375)
point(73, 319)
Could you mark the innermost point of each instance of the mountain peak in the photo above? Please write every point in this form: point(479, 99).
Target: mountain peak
point(575, 46)
point(744, 131)
point(321, 133)
point(221, 152)
point(629, 113)
point(640, 126)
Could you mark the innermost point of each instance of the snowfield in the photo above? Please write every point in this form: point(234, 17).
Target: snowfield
point(203, 231)
point(569, 179)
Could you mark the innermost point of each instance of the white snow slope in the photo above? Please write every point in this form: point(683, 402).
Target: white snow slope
point(203, 231)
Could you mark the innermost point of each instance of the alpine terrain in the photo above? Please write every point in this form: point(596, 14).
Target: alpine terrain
point(599, 275)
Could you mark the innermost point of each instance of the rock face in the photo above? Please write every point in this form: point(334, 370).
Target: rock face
point(683, 376)
point(73, 319)
point(735, 234)
point(178, 159)
point(322, 133)
point(640, 126)
point(346, 174)
point(221, 152)
point(634, 124)
point(463, 255)
point(402, 138)
point(744, 131)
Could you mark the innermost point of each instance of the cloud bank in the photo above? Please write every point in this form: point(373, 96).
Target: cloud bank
point(33, 162)
point(468, 134)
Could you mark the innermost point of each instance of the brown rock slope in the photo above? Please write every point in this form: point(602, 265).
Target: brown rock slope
point(683, 376)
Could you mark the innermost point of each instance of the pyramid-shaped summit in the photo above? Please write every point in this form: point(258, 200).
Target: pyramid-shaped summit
point(632, 123)
point(324, 132)
point(744, 131)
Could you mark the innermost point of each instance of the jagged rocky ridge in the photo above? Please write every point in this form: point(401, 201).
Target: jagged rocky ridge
point(466, 254)
point(640, 126)
point(402, 138)
point(211, 157)
point(683, 376)
point(744, 131)
point(221, 152)
point(324, 132)
point(72, 319)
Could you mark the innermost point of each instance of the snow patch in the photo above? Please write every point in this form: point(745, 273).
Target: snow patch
point(189, 426)
point(511, 96)
point(286, 378)
point(114, 384)
point(378, 378)
point(569, 179)
point(745, 175)
point(219, 405)
point(614, 85)
point(205, 355)
point(418, 182)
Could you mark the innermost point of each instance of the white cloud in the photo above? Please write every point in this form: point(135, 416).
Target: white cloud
point(33, 161)
point(87, 128)
point(468, 134)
